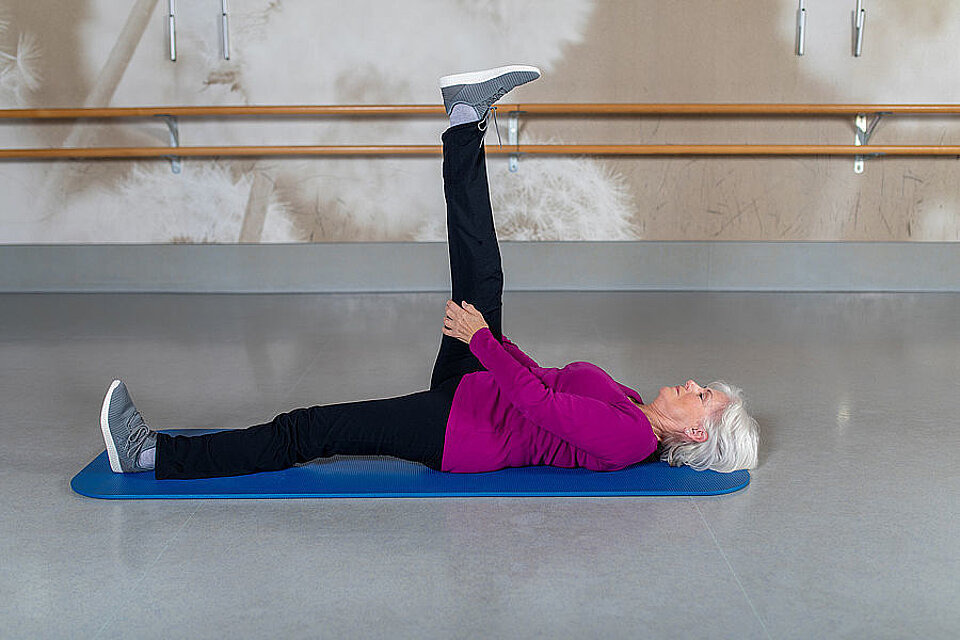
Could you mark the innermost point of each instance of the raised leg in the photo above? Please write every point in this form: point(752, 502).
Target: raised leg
point(476, 272)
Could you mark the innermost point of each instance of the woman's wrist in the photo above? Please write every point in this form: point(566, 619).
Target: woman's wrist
point(476, 332)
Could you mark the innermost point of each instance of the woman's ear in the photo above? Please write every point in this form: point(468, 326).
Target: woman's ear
point(695, 434)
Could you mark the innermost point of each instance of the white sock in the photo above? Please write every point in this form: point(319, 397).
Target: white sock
point(463, 113)
point(147, 458)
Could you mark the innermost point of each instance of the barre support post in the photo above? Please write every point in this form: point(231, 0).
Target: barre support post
point(173, 126)
point(513, 139)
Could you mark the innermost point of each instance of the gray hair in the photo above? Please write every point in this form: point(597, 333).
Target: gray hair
point(732, 438)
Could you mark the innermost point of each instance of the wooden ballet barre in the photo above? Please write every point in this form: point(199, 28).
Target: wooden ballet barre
point(513, 148)
point(543, 149)
point(533, 108)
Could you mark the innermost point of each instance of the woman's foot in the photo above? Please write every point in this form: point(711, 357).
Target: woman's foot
point(125, 433)
point(469, 96)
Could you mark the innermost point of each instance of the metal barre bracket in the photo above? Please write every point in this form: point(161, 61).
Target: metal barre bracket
point(225, 29)
point(513, 139)
point(173, 126)
point(863, 138)
point(859, 16)
point(172, 28)
point(801, 27)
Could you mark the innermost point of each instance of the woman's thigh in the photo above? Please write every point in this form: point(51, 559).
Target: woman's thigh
point(411, 427)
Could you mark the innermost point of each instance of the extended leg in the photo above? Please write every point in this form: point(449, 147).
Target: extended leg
point(410, 427)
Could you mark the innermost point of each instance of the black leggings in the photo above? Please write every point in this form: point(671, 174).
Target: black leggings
point(410, 427)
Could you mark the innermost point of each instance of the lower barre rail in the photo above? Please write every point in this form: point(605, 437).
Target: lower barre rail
point(543, 149)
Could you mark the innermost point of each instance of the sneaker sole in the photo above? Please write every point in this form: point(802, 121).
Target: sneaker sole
point(105, 428)
point(474, 77)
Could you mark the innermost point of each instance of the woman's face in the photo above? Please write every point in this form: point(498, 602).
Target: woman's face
point(686, 406)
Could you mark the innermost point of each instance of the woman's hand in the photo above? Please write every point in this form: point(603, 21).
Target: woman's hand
point(462, 323)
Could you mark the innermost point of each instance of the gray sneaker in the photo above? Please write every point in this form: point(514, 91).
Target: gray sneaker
point(124, 431)
point(480, 89)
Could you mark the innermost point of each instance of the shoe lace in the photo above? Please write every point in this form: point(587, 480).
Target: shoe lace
point(139, 432)
point(483, 122)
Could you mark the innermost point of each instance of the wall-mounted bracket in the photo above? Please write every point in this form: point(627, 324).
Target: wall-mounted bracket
point(173, 126)
point(801, 27)
point(858, 18)
point(225, 29)
point(513, 139)
point(172, 28)
point(863, 138)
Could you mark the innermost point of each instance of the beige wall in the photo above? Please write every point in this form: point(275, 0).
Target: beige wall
point(373, 51)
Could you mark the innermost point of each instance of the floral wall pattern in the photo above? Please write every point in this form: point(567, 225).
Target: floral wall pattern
point(114, 53)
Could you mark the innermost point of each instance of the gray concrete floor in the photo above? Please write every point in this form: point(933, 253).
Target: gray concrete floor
point(849, 528)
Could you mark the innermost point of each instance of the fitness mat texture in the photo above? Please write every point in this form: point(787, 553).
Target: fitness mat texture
point(386, 477)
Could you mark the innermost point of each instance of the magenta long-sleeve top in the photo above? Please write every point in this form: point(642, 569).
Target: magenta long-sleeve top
point(517, 413)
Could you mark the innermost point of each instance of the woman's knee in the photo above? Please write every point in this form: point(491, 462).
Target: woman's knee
point(292, 430)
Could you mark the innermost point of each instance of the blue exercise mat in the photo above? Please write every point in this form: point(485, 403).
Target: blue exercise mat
point(386, 477)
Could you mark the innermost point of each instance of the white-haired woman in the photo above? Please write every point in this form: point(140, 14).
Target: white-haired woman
point(489, 405)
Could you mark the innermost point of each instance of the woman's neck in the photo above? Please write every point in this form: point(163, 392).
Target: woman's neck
point(651, 418)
